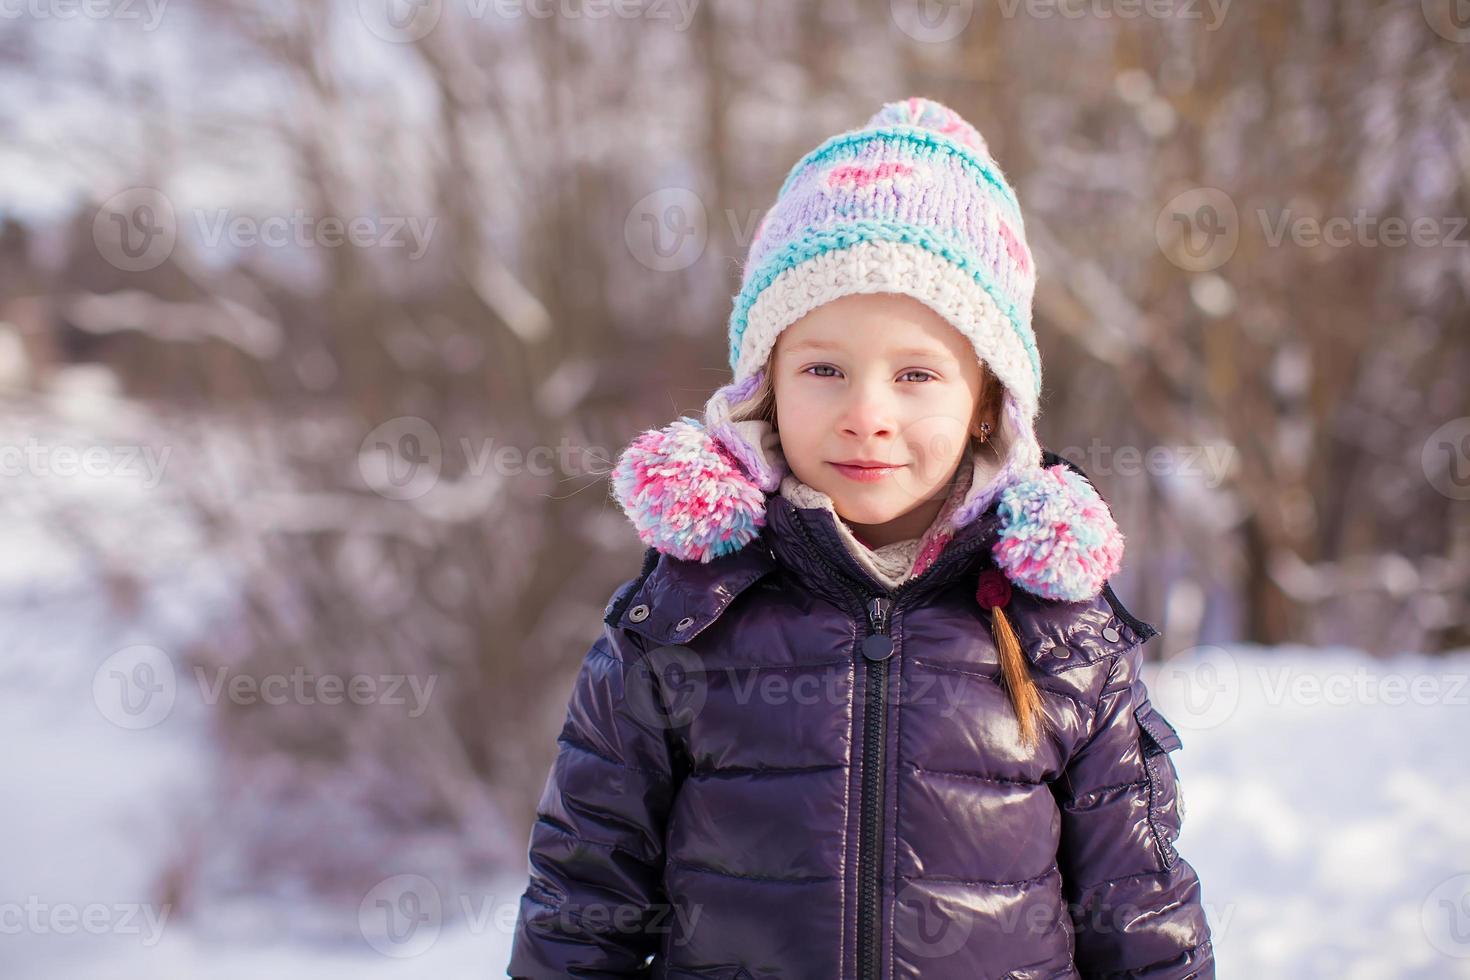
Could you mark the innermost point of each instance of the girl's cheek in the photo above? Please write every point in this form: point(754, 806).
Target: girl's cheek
point(812, 392)
point(938, 436)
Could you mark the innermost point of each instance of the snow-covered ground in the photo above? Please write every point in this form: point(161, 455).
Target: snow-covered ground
point(1331, 837)
point(101, 788)
point(1326, 801)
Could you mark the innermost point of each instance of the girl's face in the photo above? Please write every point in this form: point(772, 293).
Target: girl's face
point(876, 378)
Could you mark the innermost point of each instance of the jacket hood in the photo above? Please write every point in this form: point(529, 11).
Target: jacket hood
point(697, 493)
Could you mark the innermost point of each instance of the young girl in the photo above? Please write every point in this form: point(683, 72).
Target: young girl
point(870, 708)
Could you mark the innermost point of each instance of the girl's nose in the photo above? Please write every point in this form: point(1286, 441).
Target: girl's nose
point(868, 414)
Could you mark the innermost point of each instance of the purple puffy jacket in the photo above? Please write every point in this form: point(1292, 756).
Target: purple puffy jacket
point(745, 788)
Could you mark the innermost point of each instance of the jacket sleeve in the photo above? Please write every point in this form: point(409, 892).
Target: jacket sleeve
point(595, 906)
point(1135, 903)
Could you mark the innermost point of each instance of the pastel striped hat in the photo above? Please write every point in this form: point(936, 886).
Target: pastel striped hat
point(910, 203)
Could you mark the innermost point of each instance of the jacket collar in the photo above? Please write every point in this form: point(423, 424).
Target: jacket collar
point(673, 600)
point(808, 541)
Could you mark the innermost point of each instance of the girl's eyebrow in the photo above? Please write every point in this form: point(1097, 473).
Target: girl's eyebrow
point(813, 345)
point(823, 345)
point(936, 354)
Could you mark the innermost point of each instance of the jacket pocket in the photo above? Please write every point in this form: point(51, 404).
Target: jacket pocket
point(705, 973)
point(1066, 973)
point(1157, 738)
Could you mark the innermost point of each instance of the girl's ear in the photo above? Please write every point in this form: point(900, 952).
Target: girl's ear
point(977, 423)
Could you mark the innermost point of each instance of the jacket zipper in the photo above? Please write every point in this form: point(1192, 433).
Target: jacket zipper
point(877, 648)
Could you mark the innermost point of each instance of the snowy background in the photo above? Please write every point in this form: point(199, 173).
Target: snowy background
point(238, 445)
point(108, 765)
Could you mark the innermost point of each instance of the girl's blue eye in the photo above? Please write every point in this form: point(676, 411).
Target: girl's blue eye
point(923, 375)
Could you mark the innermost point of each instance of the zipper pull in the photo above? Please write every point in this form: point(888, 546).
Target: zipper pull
point(878, 645)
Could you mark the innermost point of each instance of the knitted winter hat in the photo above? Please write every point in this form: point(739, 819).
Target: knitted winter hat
point(911, 203)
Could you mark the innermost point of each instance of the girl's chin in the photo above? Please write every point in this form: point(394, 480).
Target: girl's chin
point(866, 513)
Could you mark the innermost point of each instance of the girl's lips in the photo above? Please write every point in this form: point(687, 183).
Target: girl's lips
point(865, 474)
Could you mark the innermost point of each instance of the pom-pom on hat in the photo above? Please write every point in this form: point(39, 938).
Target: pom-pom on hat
point(686, 494)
